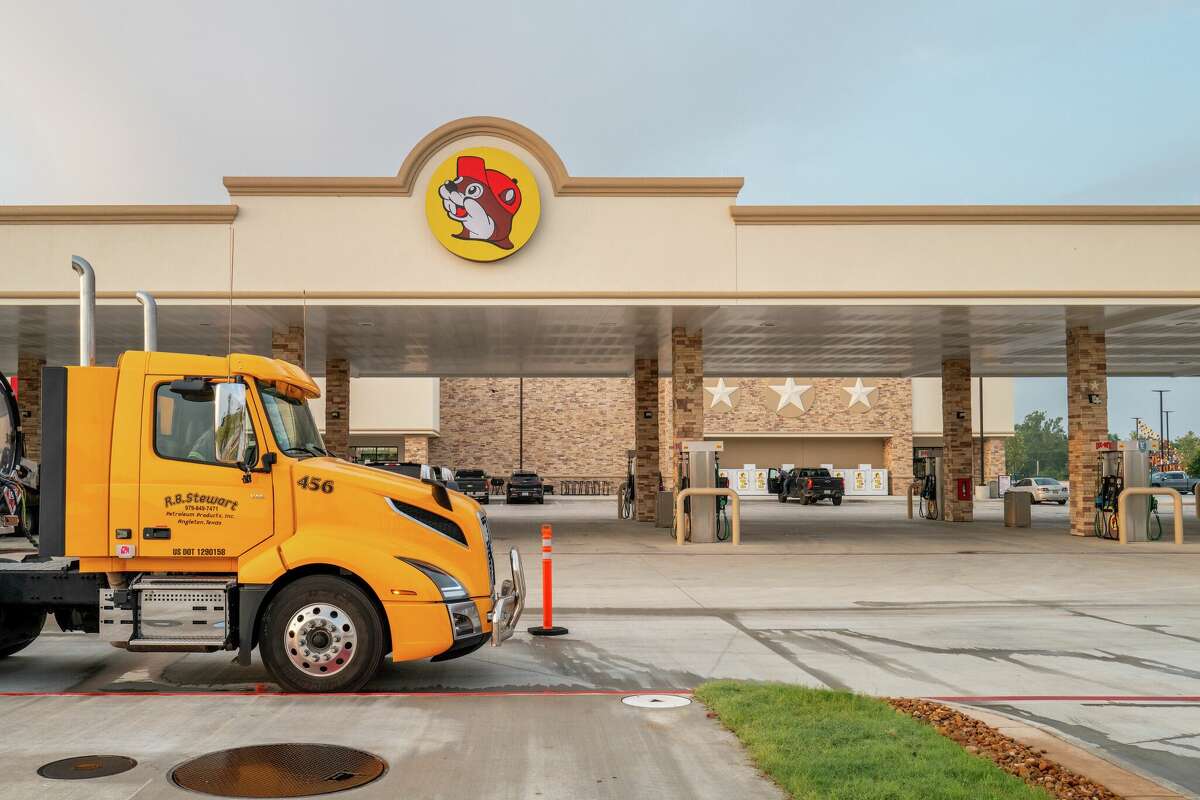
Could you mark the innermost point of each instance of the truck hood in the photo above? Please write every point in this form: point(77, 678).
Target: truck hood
point(354, 500)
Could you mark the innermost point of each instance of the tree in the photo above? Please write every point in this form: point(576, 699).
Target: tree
point(1188, 447)
point(1193, 466)
point(1038, 447)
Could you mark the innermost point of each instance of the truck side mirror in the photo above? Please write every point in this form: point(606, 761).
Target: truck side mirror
point(230, 422)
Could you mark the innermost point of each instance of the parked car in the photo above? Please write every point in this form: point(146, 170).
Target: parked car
point(1044, 490)
point(446, 476)
point(419, 471)
point(473, 483)
point(525, 485)
point(1179, 481)
point(811, 485)
point(409, 468)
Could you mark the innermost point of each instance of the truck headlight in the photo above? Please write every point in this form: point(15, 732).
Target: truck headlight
point(449, 587)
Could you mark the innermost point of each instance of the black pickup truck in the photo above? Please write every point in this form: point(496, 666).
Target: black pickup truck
point(811, 485)
point(473, 483)
point(525, 485)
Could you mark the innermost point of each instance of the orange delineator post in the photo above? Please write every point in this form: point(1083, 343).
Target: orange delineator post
point(547, 628)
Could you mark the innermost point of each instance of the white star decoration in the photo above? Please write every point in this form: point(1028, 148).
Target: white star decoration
point(721, 394)
point(791, 394)
point(859, 393)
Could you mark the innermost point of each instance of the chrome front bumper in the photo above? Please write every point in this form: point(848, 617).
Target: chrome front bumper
point(509, 602)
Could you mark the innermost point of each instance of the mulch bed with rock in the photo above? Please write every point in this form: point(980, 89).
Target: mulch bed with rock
point(1017, 759)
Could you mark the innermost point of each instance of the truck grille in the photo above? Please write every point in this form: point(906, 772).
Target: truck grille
point(487, 541)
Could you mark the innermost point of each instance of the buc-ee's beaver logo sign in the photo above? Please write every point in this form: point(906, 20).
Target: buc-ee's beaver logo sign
point(482, 204)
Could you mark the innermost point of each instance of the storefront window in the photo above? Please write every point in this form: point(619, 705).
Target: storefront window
point(375, 453)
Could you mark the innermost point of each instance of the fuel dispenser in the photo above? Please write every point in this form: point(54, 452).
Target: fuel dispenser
point(1122, 465)
point(698, 467)
point(933, 492)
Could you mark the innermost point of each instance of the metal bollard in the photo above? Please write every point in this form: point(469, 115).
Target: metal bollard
point(547, 628)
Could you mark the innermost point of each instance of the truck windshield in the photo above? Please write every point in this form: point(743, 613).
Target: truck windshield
point(291, 422)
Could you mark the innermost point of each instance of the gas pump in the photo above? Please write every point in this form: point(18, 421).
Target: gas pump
point(1121, 465)
point(698, 466)
point(932, 491)
point(627, 494)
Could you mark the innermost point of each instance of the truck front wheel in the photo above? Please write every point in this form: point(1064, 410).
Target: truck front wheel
point(19, 626)
point(321, 634)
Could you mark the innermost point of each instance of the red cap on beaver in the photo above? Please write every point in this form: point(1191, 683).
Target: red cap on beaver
point(473, 167)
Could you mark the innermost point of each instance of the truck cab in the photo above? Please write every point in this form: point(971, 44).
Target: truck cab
point(188, 503)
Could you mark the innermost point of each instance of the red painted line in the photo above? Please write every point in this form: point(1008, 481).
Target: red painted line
point(1069, 698)
point(415, 695)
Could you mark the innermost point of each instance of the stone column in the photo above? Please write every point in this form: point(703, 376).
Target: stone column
point(898, 459)
point(687, 389)
point(29, 402)
point(958, 443)
point(1087, 421)
point(416, 449)
point(288, 345)
point(337, 407)
point(645, 435)
point(993, 458)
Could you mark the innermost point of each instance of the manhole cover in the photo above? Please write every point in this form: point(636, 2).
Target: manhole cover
point(656, 701)
point(279, 770)
point(79, 767)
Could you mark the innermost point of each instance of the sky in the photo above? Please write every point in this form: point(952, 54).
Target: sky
point(812, 102)
point(1127, 398)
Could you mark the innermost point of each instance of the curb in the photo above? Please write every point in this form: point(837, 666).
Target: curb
point(1118, 779)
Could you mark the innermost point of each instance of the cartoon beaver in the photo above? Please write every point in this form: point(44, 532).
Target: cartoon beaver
point(483, 200)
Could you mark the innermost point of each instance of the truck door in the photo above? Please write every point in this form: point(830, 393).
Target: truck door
point(191, 506)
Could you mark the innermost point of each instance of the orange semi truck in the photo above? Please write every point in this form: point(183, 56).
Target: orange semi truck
point(187, 503)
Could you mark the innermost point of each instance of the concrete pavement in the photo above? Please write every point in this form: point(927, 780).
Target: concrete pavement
point(854, 597)
point(516, 748)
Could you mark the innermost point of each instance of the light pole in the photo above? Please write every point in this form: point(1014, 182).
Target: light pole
point(1137, 427)
point(1168, 414)
point(1161, 417)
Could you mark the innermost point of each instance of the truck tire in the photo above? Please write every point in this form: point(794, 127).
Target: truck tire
point(19, 626)
point(836, 500)
point(804, 500)
point(782, 497)
point(321, 634)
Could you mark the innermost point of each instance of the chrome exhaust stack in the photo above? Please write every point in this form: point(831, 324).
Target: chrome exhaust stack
point(149, 321)
point(87, 311)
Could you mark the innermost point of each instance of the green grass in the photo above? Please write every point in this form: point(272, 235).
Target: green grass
point(823, 745)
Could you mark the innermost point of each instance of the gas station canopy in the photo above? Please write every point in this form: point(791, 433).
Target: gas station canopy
point(483, 255)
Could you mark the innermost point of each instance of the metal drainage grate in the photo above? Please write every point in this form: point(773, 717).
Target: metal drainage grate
point(656, 701)
point(279, 770)
point(81, 767)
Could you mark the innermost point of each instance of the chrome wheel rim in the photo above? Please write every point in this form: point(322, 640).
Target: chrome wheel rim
point(320, 640)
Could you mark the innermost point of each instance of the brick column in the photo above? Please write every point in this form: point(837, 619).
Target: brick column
point(958, 444)
point(416, 449)
point(29, 402)
point(645, 435)
point(337, 407)
point(288, 345)
point(898, 459)
point(687, 389)
point(1087, 422)
point(993, 459)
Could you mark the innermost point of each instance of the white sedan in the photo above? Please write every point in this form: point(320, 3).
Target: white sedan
point(1044, 490)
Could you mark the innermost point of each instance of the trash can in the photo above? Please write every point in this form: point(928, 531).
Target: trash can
point(664, 510)
point(1017, 509)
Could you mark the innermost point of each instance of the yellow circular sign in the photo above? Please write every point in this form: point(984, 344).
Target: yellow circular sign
point(482, 204)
